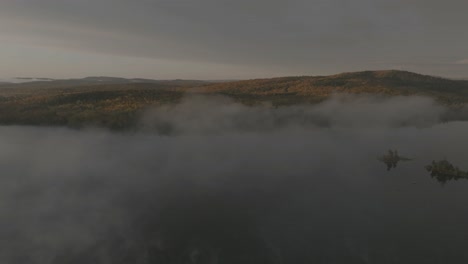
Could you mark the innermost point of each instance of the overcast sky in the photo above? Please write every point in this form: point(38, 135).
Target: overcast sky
point(224, 39)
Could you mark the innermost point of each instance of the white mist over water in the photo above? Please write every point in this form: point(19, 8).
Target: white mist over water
point(226, 183)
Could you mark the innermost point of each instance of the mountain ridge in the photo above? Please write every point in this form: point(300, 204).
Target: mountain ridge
point(117, 103)
point(388, 82)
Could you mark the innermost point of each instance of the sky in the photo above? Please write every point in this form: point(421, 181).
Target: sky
point(224, 39)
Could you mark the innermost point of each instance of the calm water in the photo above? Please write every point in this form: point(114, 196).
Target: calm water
point(294, 195)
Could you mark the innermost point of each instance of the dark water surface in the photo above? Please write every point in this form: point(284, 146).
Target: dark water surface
point(293, 195)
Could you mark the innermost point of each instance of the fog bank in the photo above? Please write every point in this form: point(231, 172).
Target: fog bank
point(212, 181)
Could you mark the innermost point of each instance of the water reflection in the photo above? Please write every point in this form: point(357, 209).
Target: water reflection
point(391, 159)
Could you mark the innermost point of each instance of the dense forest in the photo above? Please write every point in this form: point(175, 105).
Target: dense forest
point(116, 102)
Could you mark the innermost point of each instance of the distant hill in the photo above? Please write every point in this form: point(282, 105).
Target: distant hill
point(313, 88)
point(116, 102)
point(26, 82)
point(23, 80)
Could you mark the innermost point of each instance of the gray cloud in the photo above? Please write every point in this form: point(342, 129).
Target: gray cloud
point(246, 184)
point(296, 36)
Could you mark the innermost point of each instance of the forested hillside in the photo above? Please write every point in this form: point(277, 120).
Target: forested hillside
point(116, 102)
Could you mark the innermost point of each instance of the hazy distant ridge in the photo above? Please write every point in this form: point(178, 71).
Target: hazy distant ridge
point(375, 82)
point(118, 102)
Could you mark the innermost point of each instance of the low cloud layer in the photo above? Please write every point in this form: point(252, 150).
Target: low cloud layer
point(219, 115)
point(227, 183)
